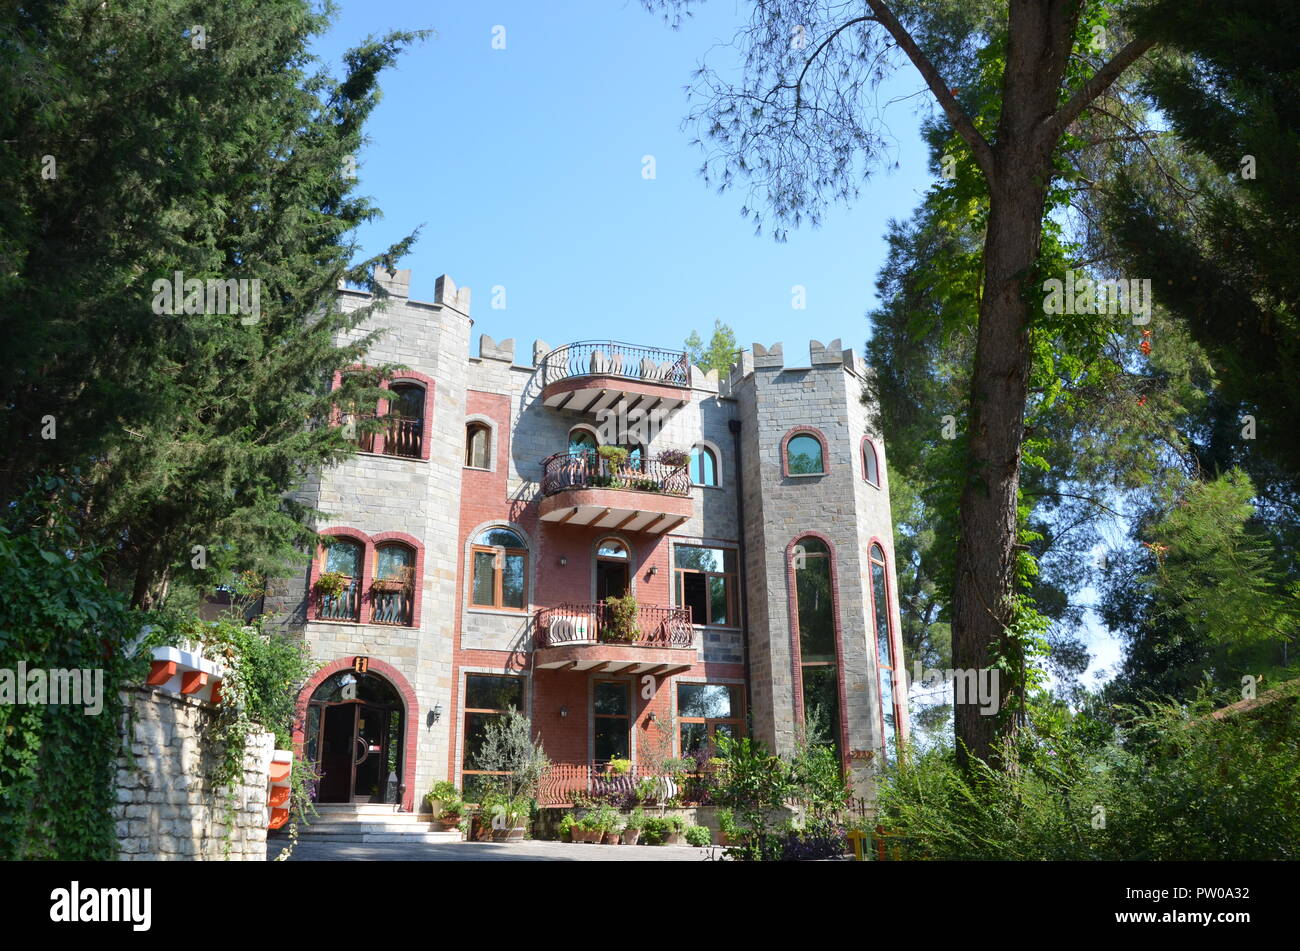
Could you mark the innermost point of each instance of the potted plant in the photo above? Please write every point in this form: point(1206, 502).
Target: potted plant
point(674, 458)
point(622, 626)
point(647, 790)
point(587, 829)
point(618, 767)
point(331, 584)
point(604, 821)
point(442, 793)
point(633, 825)
point(730, 831)
point(614, 834)
point(698, 836)
point(449, 817)
point(615, 463)
point(566, 827)
point(676, 830)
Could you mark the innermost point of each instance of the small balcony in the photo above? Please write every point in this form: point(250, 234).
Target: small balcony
point(396, 436)
point(589, 637)
point(585, 489)
point(344, 606)
point(596, 375)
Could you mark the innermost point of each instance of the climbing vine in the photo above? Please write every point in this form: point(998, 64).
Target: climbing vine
point(58, 761)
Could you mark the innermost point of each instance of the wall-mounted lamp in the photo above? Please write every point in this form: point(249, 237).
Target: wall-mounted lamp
point(564, 711)
point(563, 561)
point(654, 570)
point(437, 712)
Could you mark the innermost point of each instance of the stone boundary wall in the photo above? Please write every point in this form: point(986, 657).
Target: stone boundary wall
point(167, 804)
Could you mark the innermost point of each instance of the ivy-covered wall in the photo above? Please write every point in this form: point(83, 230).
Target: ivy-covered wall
point(168, 803)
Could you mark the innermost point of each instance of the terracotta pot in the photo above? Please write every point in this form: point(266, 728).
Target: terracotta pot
point(612, 838)
point(631, 836)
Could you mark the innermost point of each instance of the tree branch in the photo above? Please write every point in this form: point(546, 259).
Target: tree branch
point(979, 146)
point(1094, 87)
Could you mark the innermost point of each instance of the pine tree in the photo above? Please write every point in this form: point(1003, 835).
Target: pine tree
point(141, 139)
point(719, 355)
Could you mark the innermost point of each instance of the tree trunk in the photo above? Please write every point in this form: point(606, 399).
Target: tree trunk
point(985, 571)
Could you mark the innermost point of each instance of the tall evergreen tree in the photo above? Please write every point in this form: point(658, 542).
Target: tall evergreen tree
point(142, 139)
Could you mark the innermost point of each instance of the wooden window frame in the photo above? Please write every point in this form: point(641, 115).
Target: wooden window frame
point(464, 722)
point(498, 578)
point(730, 579)
point(711, 723)
point(629, 718)
point(471, 427)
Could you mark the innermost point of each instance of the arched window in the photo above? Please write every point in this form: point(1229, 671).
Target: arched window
point(582, 443)
point(500, 570)
point(891, 709)
point(613, 569)
point(870, 462)
point(478, 446)
point(803, 455)
point(338, 591)
point(404, 426)
point(818, 658)
point(393, 591)
point(704, 466)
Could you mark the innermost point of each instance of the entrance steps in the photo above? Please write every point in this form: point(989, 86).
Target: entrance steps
point(371, 823)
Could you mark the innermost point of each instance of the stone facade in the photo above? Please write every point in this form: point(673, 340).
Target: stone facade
point(168, 806)
point(442, 505)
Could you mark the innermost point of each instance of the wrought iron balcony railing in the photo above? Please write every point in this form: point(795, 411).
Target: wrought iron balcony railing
point(612, 358)
point(585, 470)
point(594, 623)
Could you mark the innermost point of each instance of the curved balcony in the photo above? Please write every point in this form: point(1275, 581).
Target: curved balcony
point(596, 375)
point(584, 637)
point(581, 489)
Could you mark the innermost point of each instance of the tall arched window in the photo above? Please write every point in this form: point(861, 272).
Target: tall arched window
point(804, 456)
point(500, 572)
point(339, 598)
point(393, 591)
point(704, 466)
point(478, 446)
point(891, 706)
point(870, 462)
point(818, 660)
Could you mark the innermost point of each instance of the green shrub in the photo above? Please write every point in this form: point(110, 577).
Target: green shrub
point(699, 836)
point(1174, 783)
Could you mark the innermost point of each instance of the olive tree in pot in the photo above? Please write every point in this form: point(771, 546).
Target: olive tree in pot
point(509, 750)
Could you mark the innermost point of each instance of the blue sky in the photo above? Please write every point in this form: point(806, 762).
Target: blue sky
point(524, 166)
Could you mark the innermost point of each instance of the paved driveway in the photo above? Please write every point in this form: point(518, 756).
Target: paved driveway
point(528, 851)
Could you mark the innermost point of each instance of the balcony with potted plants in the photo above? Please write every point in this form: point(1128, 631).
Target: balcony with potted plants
point(591, 376)
point(617, 635)
point(611, 489)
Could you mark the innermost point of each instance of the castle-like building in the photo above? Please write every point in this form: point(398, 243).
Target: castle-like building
point(740, 523)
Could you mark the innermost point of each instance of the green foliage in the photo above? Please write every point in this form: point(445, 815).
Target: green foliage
point(636, 820)
point(623, 623)
point(1176, 782)
point(719, 355)
point(57, 764)
point(227, 162)
point(508, 747)
point(698, 836)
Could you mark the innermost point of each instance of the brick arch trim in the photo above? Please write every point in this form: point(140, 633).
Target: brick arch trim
point(826, 452)
point(398, 376)
point(796, 653)
point(410, 726)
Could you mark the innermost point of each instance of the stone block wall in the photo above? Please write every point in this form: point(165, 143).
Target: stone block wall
point(168, 805)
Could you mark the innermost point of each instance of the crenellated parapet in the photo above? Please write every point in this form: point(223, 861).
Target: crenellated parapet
point(760, 357)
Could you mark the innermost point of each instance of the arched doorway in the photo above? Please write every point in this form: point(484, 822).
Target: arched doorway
point(355, 733)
